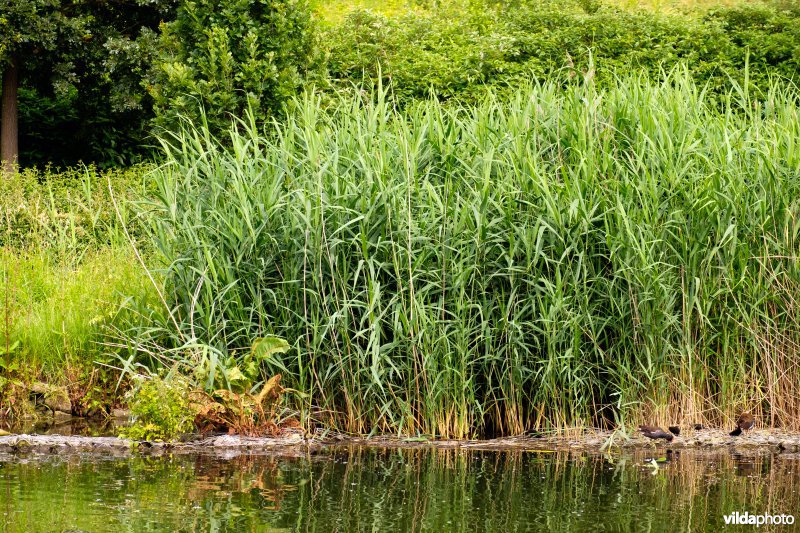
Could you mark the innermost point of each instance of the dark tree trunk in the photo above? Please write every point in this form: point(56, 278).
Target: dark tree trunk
point(9, 132)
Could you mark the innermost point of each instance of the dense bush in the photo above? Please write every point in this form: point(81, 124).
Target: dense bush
point(565, 257)
point(96, 113)
point(455, 52)
point(93, 95)
point(225, 57)
point(81, 68)
point(768, 39)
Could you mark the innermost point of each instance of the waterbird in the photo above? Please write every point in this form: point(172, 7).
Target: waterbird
point(653, 432)
point(698, 427)
point(675, 430)
point(743, 423)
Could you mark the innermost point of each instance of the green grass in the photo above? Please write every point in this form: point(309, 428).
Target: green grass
point(65, 267)
point(58, 313)
point(566, 257)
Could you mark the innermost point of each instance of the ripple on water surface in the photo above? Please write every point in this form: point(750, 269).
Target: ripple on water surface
point(360, 489)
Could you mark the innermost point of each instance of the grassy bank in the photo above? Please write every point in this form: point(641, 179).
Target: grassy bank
point(563, 257)
point(65, 269)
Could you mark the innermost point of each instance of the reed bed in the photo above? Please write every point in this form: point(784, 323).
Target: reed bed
point(560, 258)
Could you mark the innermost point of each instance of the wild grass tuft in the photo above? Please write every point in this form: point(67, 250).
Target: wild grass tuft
point(65, 267)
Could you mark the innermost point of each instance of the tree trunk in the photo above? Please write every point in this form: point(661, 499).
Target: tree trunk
point(9, 131)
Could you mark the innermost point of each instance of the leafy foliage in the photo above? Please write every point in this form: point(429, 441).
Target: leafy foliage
point(81, 66)
point(26, 24)
point(460, 48)
point(241, 413)
point(97, 76)
point(169, 408)
point(212, 370)
point(225, 57)
point(161, 409)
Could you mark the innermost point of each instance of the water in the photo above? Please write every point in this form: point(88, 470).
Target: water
point(361, 489)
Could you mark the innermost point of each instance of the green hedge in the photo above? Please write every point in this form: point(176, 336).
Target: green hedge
point(455, 53)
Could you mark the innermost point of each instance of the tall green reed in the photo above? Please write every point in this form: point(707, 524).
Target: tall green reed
point(564, 257)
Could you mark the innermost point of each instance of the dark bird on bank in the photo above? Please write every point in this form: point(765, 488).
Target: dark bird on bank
point(652, 432)
point(698, 427)
point(746, 421)
point(675, 430)
point(743, 423)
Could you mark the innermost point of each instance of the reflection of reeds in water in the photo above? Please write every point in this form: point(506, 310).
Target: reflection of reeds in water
point(704, 487)
point(360, 489)
point(422, 490)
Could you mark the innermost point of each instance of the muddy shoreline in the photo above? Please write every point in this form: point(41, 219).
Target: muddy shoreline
point(295, 443)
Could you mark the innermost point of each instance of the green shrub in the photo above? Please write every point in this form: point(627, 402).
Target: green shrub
point(449, 52)
point(766, 38)
point(228, 56)
point(160, 409)
point(458, 49)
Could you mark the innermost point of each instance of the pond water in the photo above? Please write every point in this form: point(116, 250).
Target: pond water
point(368, 489)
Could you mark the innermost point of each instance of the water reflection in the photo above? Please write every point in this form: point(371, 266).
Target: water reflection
point(396, 490)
